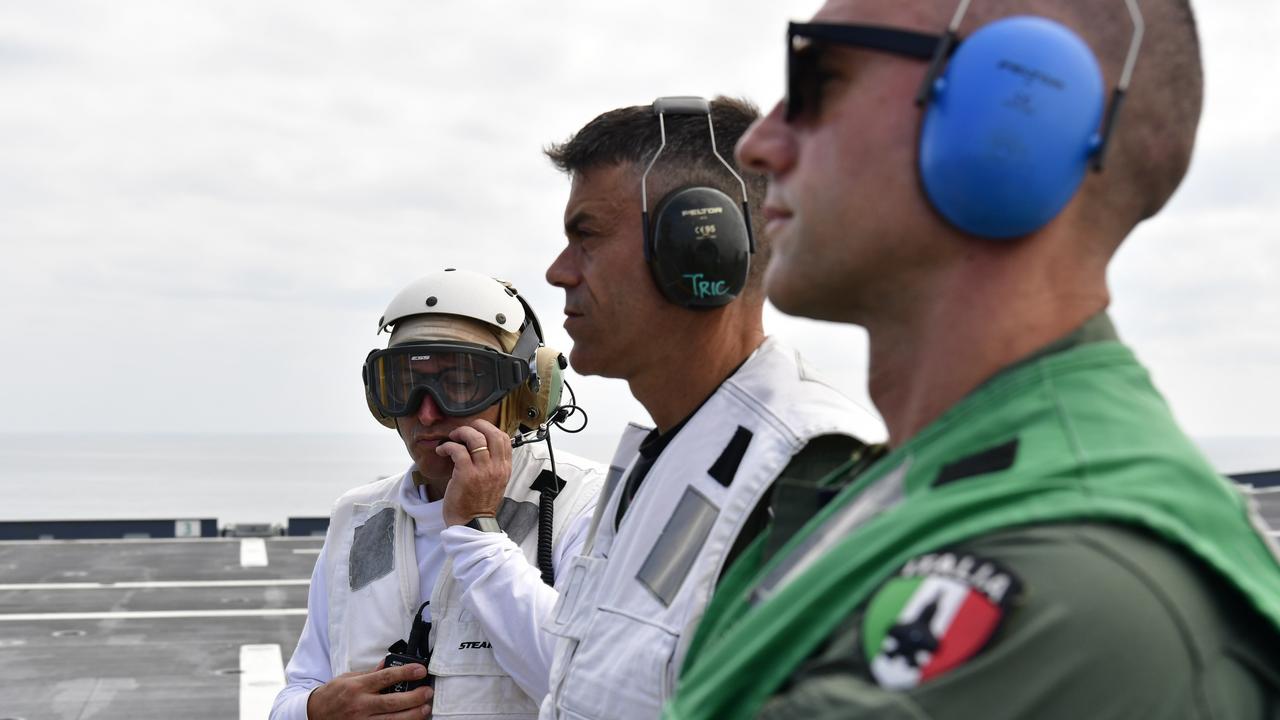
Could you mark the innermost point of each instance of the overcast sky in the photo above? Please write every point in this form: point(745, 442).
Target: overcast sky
point(205, 206)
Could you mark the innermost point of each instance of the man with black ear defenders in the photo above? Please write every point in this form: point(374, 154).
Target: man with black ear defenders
point(661, 276)
point(1041, 540)
point(459, 534)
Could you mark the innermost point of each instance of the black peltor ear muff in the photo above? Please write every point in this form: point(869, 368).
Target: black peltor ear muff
point(699, 244)
point(699, 249)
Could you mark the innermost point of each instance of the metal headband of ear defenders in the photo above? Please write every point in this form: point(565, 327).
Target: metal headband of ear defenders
point(687, 105)
point(461, 378)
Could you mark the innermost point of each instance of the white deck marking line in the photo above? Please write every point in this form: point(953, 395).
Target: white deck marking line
point(306, 551)
point(261, 677)
point(150, 614)
point(154, 584)
point(253, 552)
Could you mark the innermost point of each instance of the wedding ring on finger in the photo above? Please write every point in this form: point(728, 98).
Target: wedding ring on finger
point(482, 448)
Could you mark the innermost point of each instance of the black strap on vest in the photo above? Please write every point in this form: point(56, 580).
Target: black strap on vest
point(726, 466)
point(991, 460)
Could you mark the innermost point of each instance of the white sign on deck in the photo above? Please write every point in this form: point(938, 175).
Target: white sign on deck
point(186, 528)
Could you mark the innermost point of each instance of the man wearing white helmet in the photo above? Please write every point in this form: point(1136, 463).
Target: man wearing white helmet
point(453, 561)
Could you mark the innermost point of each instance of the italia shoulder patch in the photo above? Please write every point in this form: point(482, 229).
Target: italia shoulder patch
point(936, 613)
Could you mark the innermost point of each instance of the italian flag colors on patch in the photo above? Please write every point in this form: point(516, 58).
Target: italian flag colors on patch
point(936, 613)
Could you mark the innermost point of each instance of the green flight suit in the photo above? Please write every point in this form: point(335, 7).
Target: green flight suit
point(1143, 591)
point(1112, 624)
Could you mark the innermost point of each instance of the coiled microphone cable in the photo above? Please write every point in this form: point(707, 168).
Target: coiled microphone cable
point(548, 491)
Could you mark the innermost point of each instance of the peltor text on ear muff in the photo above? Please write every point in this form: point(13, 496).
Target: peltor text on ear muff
point(697, 250)
point(1012, 123)
point(698, 241)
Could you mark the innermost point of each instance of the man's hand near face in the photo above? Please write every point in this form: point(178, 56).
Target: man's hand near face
point(356, 695)
point(481, 455)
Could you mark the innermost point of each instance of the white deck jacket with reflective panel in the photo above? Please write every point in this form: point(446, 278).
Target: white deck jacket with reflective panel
point(374, 587)
point(628, 605)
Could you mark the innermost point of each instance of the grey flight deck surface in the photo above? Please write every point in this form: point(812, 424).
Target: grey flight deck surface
point(140, 629)
point(148, 649)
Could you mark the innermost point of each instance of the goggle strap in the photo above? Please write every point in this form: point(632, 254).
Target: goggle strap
point(526, 348)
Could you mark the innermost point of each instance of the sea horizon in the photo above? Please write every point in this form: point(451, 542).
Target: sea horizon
point(270, 477)
point(231, 477)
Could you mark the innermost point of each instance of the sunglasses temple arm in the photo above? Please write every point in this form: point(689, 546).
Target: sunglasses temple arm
point(940, 54)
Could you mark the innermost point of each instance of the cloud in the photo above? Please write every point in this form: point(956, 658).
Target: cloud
point(205, 207)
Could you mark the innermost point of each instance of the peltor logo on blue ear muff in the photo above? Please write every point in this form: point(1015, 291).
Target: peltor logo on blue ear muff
point(1010, 127)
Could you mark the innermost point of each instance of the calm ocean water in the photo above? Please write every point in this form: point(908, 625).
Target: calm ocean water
point(268, 478)
point(233, 478)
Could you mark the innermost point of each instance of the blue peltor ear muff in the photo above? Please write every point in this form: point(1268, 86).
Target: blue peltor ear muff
point(697, 248)
point(1011, 126)
point(699, 243)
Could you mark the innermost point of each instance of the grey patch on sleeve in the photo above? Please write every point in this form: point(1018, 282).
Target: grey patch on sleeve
point(672, 557)
point(373, 549)
point(517, 519)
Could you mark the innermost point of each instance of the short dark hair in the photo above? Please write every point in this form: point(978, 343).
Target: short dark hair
point(630, 136)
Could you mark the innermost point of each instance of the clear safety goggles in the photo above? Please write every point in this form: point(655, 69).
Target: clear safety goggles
point(461, 378)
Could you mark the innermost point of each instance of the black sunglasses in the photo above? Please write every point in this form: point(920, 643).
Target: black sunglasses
point(805, 42)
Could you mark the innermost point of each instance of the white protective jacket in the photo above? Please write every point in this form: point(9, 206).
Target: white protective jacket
point(628, 605)
point(373, 586)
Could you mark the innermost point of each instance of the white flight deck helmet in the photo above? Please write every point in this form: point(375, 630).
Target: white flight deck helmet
point(430, 309)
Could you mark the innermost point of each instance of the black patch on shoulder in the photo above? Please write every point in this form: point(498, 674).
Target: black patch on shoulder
point(991, 460)
point(548, 482)
point(726, 466)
